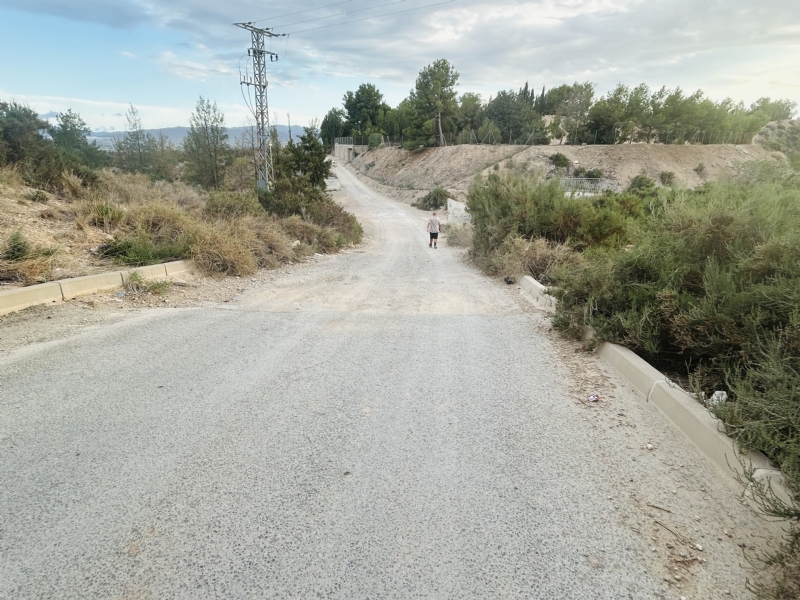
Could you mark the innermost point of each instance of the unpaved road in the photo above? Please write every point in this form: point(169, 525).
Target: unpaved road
point(383, 424)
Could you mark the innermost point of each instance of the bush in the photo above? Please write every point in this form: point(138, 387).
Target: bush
point(594, 174)
point(667, 177)
point(298, 197)
point(642, 185)
point(375, 140)
point(17, 247)
point(38, 196)
point(503, 207)
point(559, 160)
point(700, 169)
point(433, 200)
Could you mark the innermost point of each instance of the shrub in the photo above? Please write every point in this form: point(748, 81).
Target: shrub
point(642, 185)
point(559, 160)
point(594, 174)
point(700, 169)
point(530, 208)
point(667, 177)
point(433, 200)
point(37, 196)
point(375, 140)
point(17, 247)
point(231, 205)
point(298, 197)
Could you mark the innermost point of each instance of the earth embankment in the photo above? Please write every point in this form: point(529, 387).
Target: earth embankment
point(454, 167)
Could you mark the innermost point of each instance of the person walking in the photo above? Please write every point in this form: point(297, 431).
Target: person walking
point(433, 228)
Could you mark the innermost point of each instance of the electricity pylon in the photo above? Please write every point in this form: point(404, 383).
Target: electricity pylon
point(266, 175)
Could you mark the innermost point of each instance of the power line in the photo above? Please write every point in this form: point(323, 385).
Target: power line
point(368, 18)
point(349, 12)
point(299, 12)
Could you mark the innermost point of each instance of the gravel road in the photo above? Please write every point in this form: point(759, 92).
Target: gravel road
point(387, 423)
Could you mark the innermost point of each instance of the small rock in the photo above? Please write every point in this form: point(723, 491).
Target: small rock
point(677, 577)
point(699, 547)
point(742, 544)
point(595, 562)
point(650, 447)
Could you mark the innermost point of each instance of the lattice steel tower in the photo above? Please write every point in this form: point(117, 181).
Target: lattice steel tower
point(260, 108)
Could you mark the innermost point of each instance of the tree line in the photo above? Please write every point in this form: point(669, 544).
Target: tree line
point(43, 152)
point(435, 114)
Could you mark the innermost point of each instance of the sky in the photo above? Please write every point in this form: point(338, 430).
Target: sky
point(97, 57)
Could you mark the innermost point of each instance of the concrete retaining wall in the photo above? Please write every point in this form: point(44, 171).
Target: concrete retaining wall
point(67, 289)
point(457, 212)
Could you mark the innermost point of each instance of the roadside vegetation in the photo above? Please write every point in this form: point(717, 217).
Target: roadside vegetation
point(149, 202)
point(703, 283)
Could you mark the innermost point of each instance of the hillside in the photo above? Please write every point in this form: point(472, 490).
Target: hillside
point(453, 167)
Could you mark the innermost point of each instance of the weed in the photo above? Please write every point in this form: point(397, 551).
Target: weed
point(135, 284)
point(700, 169)
point(666, 177)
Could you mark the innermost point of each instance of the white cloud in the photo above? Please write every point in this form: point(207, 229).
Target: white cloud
point(727, 47)
point(189, 69)
point(127, 54)
point(101, 115)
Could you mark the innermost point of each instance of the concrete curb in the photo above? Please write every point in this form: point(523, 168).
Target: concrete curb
point(538, 292)
point(686, 415)
point(44, 293)
point(67, 289)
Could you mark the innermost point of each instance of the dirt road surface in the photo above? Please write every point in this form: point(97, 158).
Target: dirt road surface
point(385, 423)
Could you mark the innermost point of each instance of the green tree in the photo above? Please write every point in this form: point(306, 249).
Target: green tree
point(362, 108)
point(435, 104)
point(22, 143)
point(206, 145)
point(136, 150)
point(308, 158)
point(333, 126)
point(574, 110)
point(470, 111)
point(69, 136)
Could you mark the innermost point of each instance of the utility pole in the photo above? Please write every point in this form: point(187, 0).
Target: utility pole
point(266, 175)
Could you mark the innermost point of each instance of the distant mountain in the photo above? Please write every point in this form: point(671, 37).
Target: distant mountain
point(105, 139)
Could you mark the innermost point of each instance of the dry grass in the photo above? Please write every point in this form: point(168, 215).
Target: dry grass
point(537, 258)
point(459, 235)
point(10, 177)
point(128, 219)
